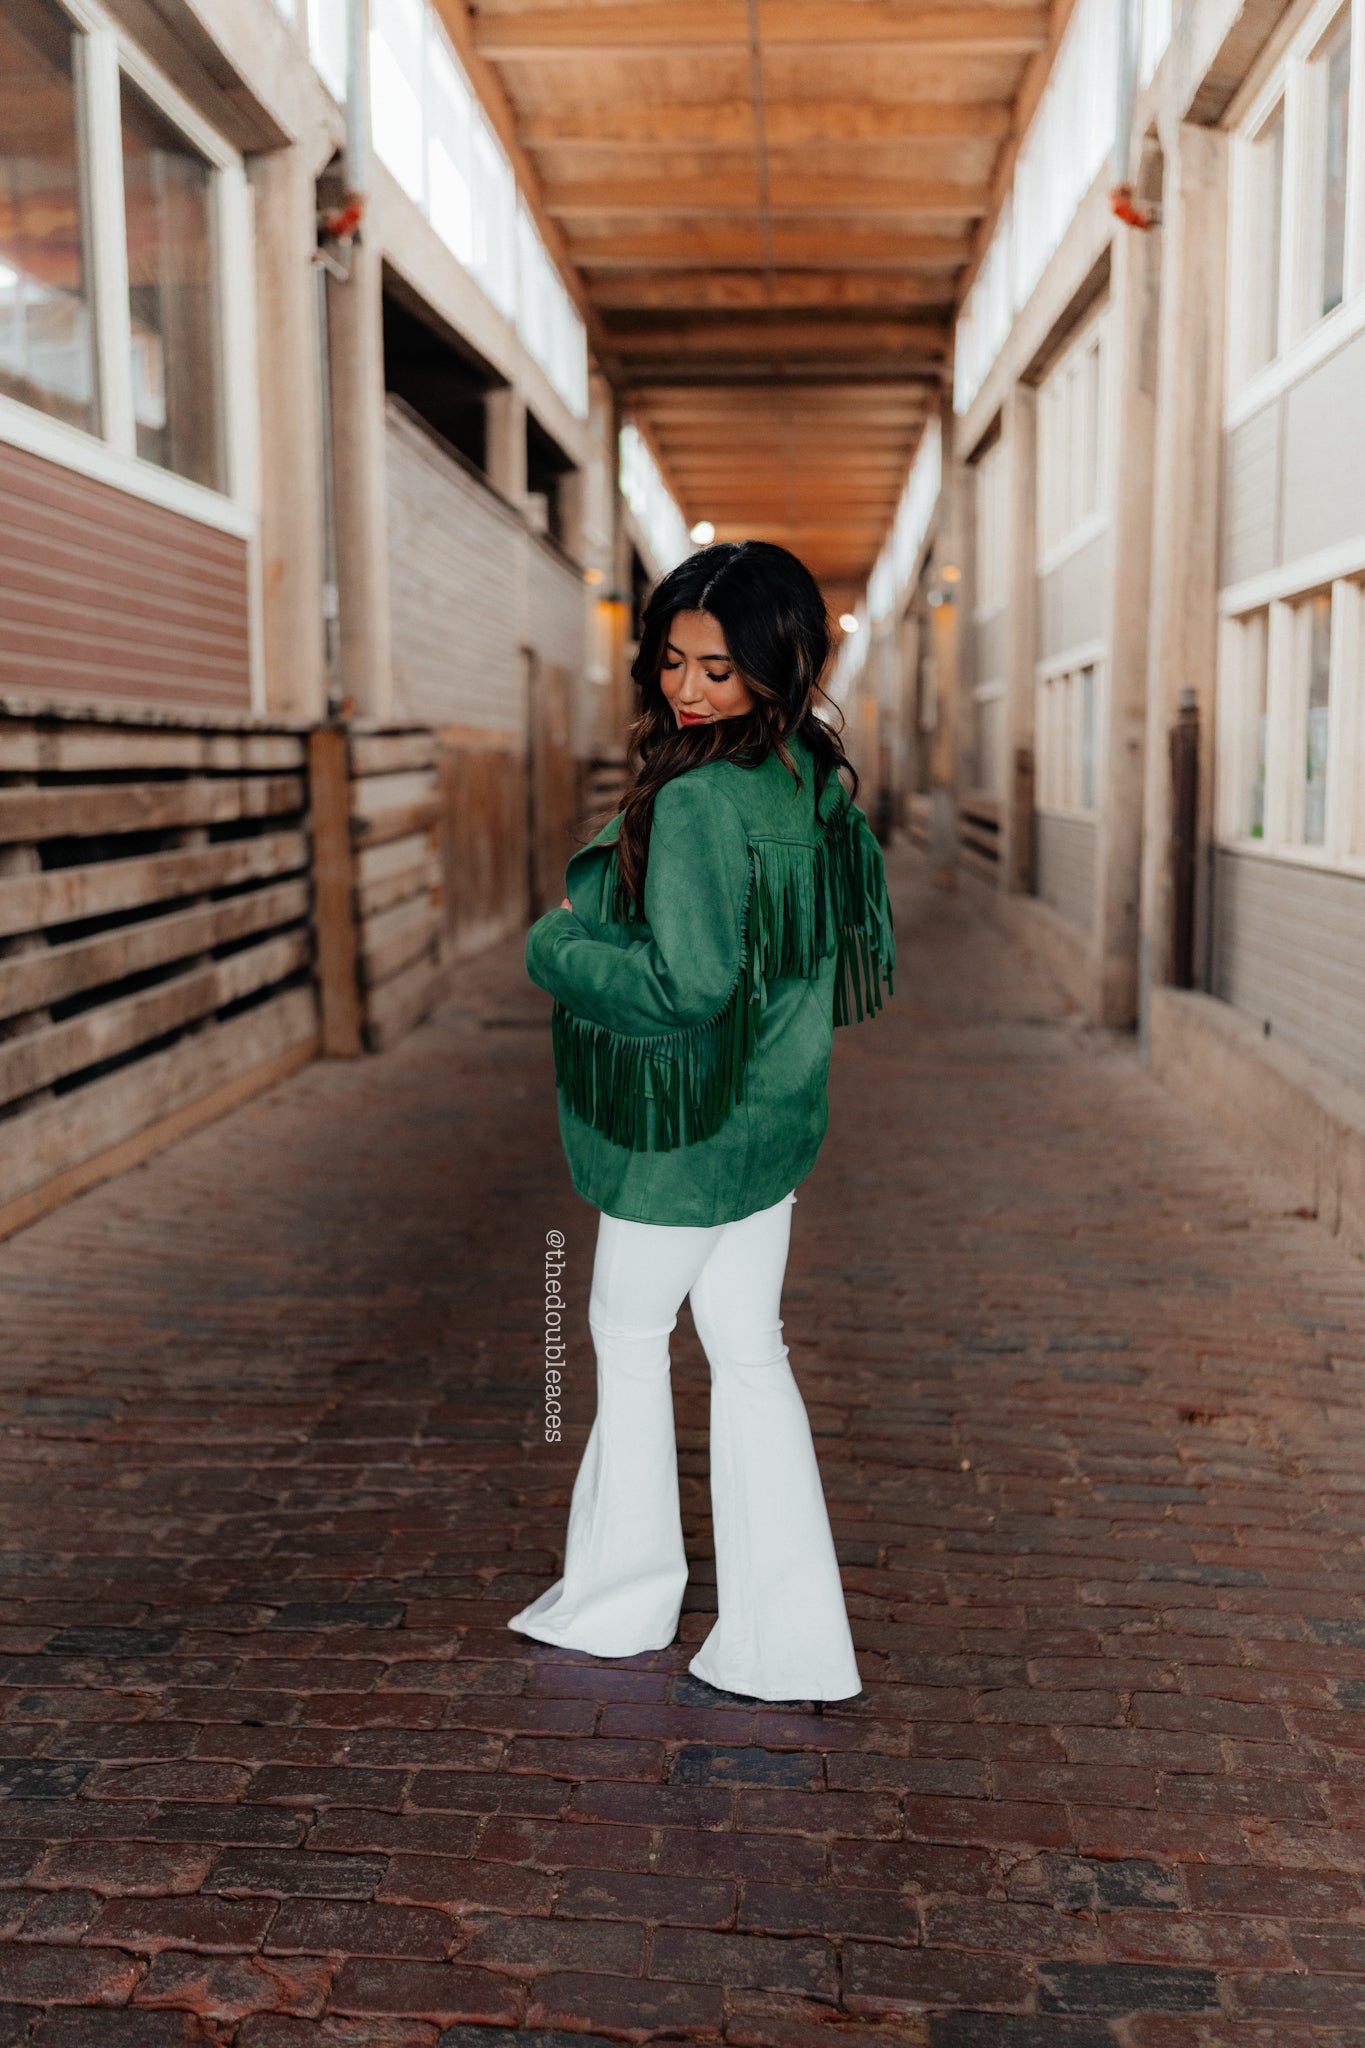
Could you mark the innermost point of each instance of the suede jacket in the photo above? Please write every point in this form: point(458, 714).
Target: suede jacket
point(692, 1046)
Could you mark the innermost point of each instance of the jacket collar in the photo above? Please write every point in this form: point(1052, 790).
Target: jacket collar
point(833, 798)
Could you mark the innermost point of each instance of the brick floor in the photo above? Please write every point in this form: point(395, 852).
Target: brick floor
point(1089, 1401)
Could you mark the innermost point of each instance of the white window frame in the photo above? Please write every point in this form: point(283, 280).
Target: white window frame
point(1287, 657)
point(1060, 769)
point(1061, 531)
point(1304, 338)
point(109, 453)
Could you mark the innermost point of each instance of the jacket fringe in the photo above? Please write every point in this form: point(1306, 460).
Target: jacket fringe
point(801, 902)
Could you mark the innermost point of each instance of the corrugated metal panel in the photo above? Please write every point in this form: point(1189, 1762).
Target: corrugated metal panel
point(457, 565)
point(1066, 866)
point(1324, 480)
point(1289, 948)
point(1251, 496)
point(558, 611)
point(103, 594)
point(988, 647)
point(1071, 600)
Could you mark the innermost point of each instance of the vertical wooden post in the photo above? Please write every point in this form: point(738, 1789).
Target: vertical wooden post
point(1183, 633)
point(1184, 756)
point(329, 793)
point(1021, 651)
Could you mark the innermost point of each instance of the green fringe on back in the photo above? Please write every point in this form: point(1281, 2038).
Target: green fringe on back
point(800, 904)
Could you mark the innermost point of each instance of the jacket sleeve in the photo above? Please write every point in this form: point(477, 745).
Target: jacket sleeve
point(695, 896)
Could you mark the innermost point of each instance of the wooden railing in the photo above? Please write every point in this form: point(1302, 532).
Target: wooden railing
point(978, 831)
point(190, 912)
point(155, 951)
point(376, 814)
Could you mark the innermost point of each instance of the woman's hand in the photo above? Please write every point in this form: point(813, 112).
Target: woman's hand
point(566, 905)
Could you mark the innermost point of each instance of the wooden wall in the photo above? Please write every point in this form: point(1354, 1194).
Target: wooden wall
point(376, 815)
point(155, 953)
point(1289, 950)
point(484, 812)
point(105, 595)
point(1066, 865)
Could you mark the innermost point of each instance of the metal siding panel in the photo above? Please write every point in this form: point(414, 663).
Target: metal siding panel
point(1066, 866)
point(1289, 949)
point(457, 563)
point(1324, 487)
point(988, 636)
point(558, 608)
point(1071, 601)
point(105, 594)
point(1251, 491)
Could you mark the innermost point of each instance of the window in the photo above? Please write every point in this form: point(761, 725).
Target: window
point(1071, 444)
point(437, 141)
point(1257, 673)
point(172, 310)
point(1266, 193)
point(1066, 741)
point(1331, 91)
point(1316, 629)
point(1085, 687)
point(651, 501)
point(1297, 207)
point(47, 354)
point(1290, 752)
point(117, 208)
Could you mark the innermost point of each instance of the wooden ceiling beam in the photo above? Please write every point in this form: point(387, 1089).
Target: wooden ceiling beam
point(736, 290)
point(833, 400)
point(544, 33)
point(720, 198)
point(682, 335)
point(729, 124)
point(713, 246)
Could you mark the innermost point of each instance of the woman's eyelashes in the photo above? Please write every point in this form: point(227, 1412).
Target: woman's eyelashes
point(709, 677)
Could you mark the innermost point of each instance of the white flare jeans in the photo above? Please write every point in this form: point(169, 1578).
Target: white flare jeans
point(782, 1628)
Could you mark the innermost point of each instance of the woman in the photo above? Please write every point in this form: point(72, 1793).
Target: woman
point(718, 926)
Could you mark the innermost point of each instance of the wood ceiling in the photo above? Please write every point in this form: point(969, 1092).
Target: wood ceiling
point(772, 205)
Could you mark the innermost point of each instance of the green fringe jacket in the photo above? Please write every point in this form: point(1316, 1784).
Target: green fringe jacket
point(692, 1047)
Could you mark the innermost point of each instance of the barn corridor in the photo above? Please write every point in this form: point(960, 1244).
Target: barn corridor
point(1089, 1400)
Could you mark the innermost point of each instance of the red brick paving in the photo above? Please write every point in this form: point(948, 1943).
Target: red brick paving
point(1088, 1395)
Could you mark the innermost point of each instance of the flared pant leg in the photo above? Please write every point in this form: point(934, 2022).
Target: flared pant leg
point(624, 1565)
point(782, 1630)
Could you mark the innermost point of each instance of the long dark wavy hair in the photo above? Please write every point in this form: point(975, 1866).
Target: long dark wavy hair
point(776, 629)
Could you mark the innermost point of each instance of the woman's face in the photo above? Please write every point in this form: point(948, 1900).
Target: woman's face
point(698, 677)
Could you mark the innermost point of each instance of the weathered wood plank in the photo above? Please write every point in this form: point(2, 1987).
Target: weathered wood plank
point(43, 1056)
point(155, 1137)
point(95, 749)
point(389, 753)
point(402, 1002)
point(413, 879)
point(390, 857)
point(392, 941)
point(33, 980)
point(396, 824)
point(81, 808)
point(57, 1136)
point(333, 890)
point(379, 794)
point(35, 902)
